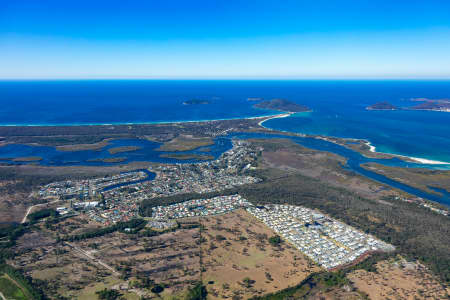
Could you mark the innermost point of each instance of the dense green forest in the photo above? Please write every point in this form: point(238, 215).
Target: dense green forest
point(41, 214)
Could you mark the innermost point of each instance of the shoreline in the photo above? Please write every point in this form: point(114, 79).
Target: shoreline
point(138, 123)
point(415, 159)
point(285, 115)
point(264, 118)
point(372, 148)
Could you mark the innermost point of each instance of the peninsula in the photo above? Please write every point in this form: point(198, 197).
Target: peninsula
point(282, 105)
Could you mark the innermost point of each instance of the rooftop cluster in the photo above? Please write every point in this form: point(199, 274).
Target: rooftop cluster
point(200, 207)
point(326, 241)
point(117, 198)
point(89, 187)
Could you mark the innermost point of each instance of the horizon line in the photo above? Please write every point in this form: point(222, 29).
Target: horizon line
point(221, 78)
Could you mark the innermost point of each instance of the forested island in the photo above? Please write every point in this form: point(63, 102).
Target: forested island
point(282, 105)
point(382, 106)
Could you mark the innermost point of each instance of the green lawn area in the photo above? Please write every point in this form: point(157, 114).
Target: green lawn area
point(10, 290)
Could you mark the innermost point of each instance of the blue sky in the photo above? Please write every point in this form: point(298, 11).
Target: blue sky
point(224, 39)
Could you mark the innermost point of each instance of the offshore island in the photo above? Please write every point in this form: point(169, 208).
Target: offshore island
point(426, 104)
point(382, 106)
point(270, 217)
point(282, 105)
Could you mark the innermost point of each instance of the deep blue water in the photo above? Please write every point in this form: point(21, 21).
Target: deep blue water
point(338, 107)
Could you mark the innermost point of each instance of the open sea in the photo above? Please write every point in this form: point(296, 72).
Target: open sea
point(338, 107)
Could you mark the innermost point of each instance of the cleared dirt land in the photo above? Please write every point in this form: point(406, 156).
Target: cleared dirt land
point(235, 246)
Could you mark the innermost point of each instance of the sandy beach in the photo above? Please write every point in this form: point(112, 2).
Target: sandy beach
point(274, 117)
point(416, 159)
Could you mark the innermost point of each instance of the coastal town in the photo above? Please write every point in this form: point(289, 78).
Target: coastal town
point(116, 198)
point(86, 188)
point(327, 242)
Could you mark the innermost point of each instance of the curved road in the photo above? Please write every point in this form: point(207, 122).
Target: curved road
point(33, 206)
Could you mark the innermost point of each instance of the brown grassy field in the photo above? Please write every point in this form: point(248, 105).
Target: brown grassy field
point(65, 272)
point(185, 143)
point(75, 225)
point(78, 269)
point(171, 258)
point(13, 206)
point(399, 280)
point(122, 149)
point(82, 147)
point(235, 246)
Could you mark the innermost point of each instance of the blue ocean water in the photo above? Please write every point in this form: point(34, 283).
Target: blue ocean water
point(338, 107)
